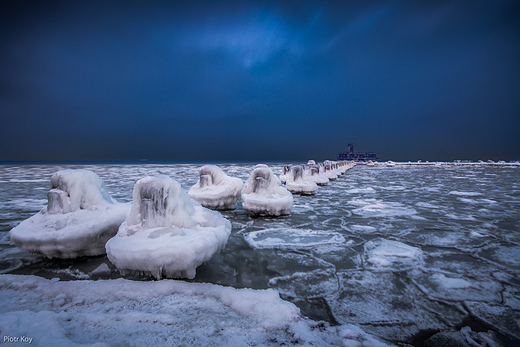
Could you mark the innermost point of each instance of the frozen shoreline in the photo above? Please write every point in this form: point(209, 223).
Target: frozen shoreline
point(128, 313)
point(402, 252)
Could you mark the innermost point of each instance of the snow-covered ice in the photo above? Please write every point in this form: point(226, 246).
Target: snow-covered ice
point(298, 182)
point(163, 313)
point(166, 234)
point(79, 218)
point(264, 195)
point(215, 189)
point(381, 254)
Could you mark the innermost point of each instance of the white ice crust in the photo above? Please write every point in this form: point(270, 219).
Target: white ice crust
point(328, 171)
point(215, 189)
point(286, 173)
point(315, 175)
point(160, 313)
point(264, 195)
point(79, 218)
point(166, 234)
point(298, 181)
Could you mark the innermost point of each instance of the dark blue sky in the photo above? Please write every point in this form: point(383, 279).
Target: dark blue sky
point(257, 80)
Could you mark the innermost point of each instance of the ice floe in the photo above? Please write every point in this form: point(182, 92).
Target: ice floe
point(166, 234)
point(79, 218)
point(388, 254)
point(379, 208)
point(292, 238)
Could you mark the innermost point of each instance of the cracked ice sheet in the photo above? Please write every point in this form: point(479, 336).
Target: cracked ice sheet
point(505, 318)
point(384, 303)
point(126, 313)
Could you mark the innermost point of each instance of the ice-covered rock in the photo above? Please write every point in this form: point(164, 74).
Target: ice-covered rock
point(215, 189)
point(298, 182)
point(264, 195)
point(316, 176)
point(329, 172)
point(166, 234)
point(286, 173)
point(79, 218)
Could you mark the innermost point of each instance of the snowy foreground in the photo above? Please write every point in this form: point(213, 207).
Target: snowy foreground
point(165, 313)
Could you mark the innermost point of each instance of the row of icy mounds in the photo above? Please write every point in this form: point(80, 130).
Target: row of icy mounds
point(163, 233)
point(305, 179)
point(262, 194)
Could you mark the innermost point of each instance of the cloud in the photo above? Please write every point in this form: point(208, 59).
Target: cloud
point(252, 39)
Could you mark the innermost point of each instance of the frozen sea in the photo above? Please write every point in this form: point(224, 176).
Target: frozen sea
point(402, 252)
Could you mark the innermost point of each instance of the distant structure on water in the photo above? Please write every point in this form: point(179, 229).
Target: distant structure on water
point(358, 156)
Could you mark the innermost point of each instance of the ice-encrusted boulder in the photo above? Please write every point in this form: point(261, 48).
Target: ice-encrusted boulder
point(79, 218)
point(166, 234)
point(328, 171)
point(298, 182)
point(264, 195)
point(286, 173)
point(215, 189)
point(316, 176)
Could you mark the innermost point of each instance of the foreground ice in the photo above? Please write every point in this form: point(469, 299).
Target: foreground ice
point(164, 313)
point(264, 195)
point(215, 189)
point(79, 218)
point(298, 182)
point(166, 233)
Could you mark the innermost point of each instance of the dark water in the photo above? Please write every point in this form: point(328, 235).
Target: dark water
point(403, 252)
